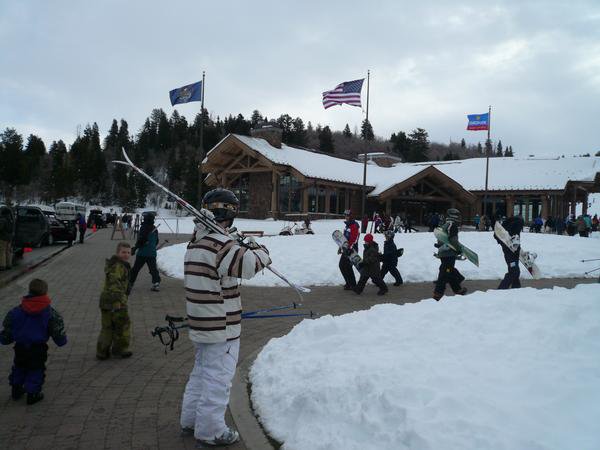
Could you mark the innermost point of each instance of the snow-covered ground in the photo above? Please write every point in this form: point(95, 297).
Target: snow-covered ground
point(313, 259)
point(514, 369)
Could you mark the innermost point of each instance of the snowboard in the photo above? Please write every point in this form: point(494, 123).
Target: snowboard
point(526, 258)
point(442, 236)
point(342, 243)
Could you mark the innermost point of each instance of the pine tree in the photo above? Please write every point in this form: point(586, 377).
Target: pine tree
point(34, 155)
point(488, 148)
point(13, 167)
point(326, 140)
point(463, 144)
point(256, 118)
point(479, 148)
point(347, 133)
point(499, 151)
point(419, 145)
point(298, 133)
point(400, 144)
point(366, 131)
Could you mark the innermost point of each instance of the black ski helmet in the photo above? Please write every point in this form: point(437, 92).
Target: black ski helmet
point(148, 216)
point(222, 203)
point(454, 215)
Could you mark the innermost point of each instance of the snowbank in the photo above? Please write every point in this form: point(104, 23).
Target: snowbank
point(313, 260)
point(512, 369)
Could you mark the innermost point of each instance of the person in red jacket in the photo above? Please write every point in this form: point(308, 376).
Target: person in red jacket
point(351, 233)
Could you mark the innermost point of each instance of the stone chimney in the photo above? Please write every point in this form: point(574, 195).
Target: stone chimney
point(269, 133)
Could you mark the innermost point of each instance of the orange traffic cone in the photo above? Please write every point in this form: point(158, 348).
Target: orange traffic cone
point(94, 228)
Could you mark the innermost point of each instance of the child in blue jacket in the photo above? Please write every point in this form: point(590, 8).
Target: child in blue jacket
point(29, 326)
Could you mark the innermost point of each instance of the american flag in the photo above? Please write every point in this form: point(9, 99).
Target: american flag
point(346, 92)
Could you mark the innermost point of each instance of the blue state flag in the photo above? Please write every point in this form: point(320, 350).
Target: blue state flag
point(478, 122)
point(190, 93)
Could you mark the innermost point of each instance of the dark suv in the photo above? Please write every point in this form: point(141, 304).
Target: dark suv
point(37, 227)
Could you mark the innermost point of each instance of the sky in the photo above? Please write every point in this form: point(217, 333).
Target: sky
point(68, 63)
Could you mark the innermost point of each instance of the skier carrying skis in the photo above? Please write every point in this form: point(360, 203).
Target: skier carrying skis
point(213, 264)
point(514, 226)
point(447, 256)
point(146, 246)
point(351, 233)
point(390, 258)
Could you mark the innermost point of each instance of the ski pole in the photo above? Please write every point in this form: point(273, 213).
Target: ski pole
point(591, 271)
point(277, 308)
point(587, 260)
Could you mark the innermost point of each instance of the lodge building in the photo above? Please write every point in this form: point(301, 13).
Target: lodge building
point(272, 179)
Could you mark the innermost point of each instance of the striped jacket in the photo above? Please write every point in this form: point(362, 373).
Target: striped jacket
point(213, 264)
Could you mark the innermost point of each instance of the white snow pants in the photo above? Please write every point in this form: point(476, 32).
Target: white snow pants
point(206, 394)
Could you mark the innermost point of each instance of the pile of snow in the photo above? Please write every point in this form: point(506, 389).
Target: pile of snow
point(512, 369)
point(313, 260)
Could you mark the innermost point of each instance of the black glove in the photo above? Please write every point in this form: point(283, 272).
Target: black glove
point(437, 245)
point(400, 252)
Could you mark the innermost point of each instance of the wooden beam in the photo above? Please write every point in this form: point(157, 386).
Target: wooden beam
point(252, 170)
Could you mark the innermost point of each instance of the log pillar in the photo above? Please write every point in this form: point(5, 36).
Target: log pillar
point(510, 205)
point(545, 210)
point(274, 204)
point(585, 204)
point(388, 206)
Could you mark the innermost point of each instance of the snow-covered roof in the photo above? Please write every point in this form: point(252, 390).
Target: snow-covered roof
point(504, 173)
point(520, 173)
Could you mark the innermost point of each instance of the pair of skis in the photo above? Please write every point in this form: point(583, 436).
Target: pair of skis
point(205, 220)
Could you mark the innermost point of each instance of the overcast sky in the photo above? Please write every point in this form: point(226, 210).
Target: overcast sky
point(65, 63)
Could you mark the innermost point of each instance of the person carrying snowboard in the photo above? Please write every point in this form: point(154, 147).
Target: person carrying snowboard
point(390, 258)
point(514, 226)
point(214, 263)
point(369, 267)
point(447, 255)
point(351, 233)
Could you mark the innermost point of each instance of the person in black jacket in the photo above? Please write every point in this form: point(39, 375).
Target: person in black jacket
point(390, 258)
point(369, 267)
point(514, 226)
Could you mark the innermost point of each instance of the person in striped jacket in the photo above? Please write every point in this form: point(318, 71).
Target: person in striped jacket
point(214, 263)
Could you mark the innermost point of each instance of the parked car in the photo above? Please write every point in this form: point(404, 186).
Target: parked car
point(37, 226)
point(60, 230)
point(96, 217)
point(7, 213)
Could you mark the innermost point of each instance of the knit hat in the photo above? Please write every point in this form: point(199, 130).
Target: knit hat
point(38, 287)
point(368, 238)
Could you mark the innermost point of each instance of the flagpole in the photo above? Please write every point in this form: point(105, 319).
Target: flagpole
point(487, 161)
point(201, 152)
point(364, 186)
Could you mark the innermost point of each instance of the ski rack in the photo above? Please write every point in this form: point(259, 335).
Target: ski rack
point(207, 221)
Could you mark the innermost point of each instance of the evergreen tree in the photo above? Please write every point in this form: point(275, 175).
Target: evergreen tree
point(488, 148)
point(499, 151)
point(61, 180)
point(347, 133)
point(256, 118)
point(298, 133)
point(35, 151)
point(463, 144)
point(366, 131)
point(479, 148)
point(400, 145)
point(419, 145)
point(13, 167)
point(326, 140)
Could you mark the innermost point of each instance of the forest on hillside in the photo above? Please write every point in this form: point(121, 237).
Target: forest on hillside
point(168, 148)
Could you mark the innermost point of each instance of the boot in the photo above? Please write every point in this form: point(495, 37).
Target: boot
point(357, 290)
point(123, 355)
point(347, 287)
point(155, 287)
point(187, 431)
point(398, 283)
point(34, 398)
point(227, 438)
point(17, 392)
point(382, 292)
point(462, 291)
point(437, 296)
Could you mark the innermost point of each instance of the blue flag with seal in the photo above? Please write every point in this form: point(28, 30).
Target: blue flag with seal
point(190, 93)
point(478, 122)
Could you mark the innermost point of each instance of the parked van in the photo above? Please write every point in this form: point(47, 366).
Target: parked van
point(7, 215)
point(68, 211)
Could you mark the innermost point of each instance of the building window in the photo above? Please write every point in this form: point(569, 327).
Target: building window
point(321, 200)
point(341, 201)
point(333, 201)
point(289, 194)
point(312, 199)
point(240, 189)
